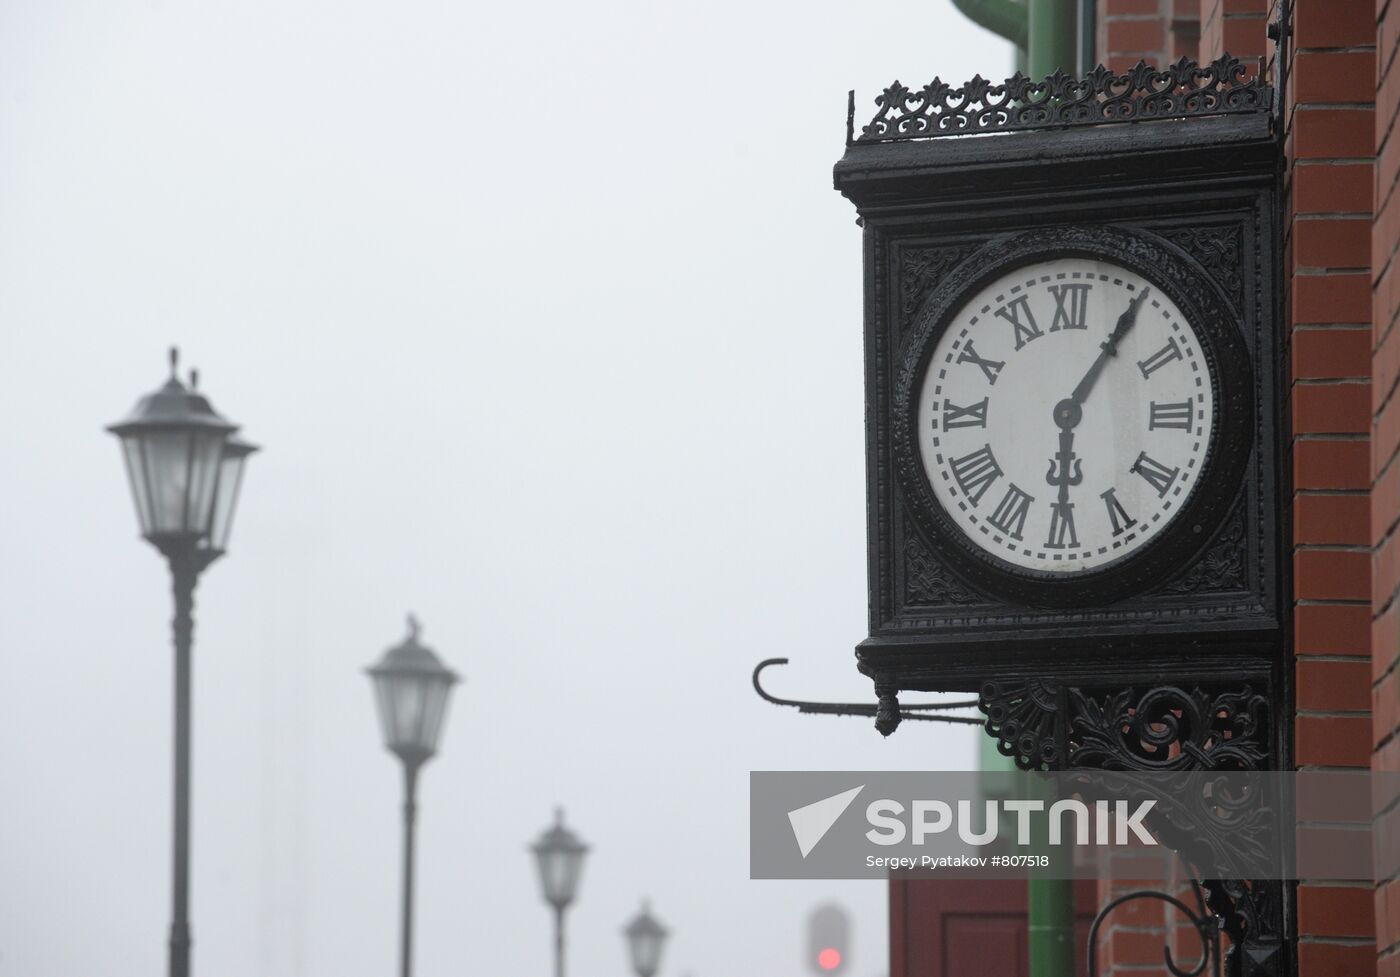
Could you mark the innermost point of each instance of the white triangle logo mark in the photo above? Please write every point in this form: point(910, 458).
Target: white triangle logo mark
point(811, 823)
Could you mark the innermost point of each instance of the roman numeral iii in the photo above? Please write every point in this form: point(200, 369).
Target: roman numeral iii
point(1010, 514)
point(1071, 306)
point(989, 367)
point(1018, 313)
point(1176, 416)
point(1159, 359)
point(976, 472)
point(1156, 474)
point(974, 415)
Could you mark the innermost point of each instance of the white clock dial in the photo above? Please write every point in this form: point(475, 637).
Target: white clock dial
point(1065, 415)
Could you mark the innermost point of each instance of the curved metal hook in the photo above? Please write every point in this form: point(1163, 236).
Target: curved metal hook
point(1204, 925)
point(861, 708)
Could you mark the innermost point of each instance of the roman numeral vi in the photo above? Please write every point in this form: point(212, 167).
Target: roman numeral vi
point(1062, 535)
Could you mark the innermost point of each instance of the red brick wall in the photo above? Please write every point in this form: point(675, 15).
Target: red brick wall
point(1385, 431)
point(1235, 27)
point(1155, 31)
point(1333, 136)
point(1329, 147)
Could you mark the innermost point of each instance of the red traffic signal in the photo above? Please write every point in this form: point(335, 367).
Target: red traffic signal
point(828, 940)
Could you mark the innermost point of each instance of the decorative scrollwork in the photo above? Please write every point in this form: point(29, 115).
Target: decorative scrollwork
point(920, 270)
point(1218, 250)
point(1169, 729)
point(1165, 729)
point(1223, 87)
point(1023, 717)
point(1251, 913)
point(1222, 566)
point(928, 581)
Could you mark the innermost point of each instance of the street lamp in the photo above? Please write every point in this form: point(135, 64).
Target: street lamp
point(645, 939)
point(559, 854)
point(184, 465)
point(410, 687)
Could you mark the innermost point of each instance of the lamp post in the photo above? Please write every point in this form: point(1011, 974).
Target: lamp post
point(559, 854)
point(185, 466)
point(411, 687)
point(645, 939)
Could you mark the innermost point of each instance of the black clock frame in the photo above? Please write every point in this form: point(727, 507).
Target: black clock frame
point(1209, 188)
point(1206, 309)
point(1192, 660)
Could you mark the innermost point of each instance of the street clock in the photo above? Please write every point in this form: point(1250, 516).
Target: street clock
point(1060, 426)
point(1076, 427)
point(1073, 392)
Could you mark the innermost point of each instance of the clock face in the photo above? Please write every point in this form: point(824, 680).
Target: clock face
point(1065, 415)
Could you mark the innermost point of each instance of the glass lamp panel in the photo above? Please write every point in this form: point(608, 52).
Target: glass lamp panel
point(206, 459)
point(400, 709)
point(226, 498)
point(434, 711)
point(646, 951)
point(560, 869)
point(181, 468)
point(136, 474)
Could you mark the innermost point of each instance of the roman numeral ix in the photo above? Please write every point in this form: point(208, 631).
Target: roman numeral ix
point(1018, 313)
point(1071, 306)
point(989, 367)
point(1010, 514)
point(1156, 474)
point(976, 472)
point(974, 415)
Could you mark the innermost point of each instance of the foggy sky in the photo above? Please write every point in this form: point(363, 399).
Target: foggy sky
point(549, 321)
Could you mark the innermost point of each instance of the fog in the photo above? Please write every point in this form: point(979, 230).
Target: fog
point(548, 320)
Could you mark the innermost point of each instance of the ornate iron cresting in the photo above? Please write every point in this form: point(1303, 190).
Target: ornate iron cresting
point(1182, 90)
point(926, 711)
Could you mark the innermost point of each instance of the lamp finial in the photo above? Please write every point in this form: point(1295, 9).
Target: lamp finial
point(174, 360)
point(414, 627)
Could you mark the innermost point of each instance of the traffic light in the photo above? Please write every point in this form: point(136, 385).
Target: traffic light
point(828, 940)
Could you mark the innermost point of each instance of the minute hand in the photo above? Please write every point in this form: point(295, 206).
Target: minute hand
point(1109, 348)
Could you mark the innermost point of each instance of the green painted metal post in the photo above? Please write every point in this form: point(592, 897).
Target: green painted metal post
point(1053, 37)
point(1049, 36)
point(1050, 915)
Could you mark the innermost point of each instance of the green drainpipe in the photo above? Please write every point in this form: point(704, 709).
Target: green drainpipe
point(1045, 32)
point(1048, 36)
